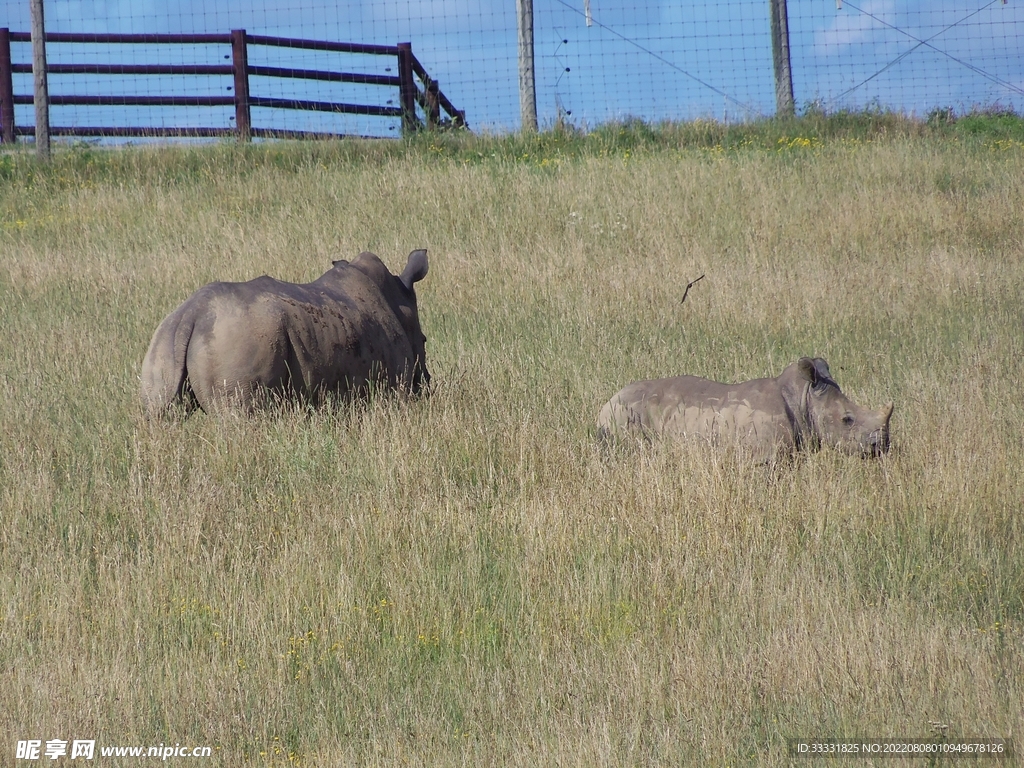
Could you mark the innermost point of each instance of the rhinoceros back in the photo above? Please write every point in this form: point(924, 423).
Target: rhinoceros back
point(231, 344)
point(750, 415)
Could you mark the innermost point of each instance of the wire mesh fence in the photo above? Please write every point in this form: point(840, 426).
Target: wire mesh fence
point(596, 60)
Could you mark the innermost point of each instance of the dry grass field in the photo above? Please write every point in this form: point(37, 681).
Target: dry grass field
point(468, 579)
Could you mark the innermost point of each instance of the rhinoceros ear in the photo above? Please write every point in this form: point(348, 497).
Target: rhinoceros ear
point(816, 371)
point(415, 269)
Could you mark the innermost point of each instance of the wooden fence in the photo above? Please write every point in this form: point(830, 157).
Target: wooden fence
point(425, 93)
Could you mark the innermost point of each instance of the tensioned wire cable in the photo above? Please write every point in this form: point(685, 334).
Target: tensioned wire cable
point(927, 44)
point(663, 60)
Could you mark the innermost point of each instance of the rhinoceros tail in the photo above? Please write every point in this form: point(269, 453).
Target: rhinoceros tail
point(164, 374)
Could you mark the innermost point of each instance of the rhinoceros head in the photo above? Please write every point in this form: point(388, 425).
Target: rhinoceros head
point(829, 416)
point(400, 297)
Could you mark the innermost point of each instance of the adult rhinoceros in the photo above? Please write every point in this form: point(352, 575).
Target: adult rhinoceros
point(802, 408)
point(231, 345)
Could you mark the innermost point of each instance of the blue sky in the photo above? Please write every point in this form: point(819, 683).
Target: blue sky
point(653, 59)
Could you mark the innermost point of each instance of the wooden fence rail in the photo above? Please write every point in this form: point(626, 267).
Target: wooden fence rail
point(426, 93)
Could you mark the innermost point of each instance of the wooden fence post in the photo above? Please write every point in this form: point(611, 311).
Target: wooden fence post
point(6, 88)
point(240, 62)
point(41, 90)
point(784, 104)
point(406, 88)
point(527, 78)
point(433, 103)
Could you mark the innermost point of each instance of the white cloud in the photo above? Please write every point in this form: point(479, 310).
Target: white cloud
point(852, 27)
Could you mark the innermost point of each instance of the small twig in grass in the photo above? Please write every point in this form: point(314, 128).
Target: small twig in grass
point(690, 285)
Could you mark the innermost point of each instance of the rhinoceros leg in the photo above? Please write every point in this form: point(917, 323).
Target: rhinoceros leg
point(217, 384)
point(241, 359)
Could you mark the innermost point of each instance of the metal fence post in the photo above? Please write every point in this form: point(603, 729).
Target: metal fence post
point(406, 88)
point(240, 62)
point(6, 88)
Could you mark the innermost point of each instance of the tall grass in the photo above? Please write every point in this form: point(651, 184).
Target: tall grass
point(467, 578)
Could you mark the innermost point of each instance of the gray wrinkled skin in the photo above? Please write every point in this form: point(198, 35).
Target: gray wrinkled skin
point(234, 346)
point(801, 409)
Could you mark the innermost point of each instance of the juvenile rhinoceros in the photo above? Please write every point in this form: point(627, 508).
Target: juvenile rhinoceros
point(231, 345)
point(802, 408)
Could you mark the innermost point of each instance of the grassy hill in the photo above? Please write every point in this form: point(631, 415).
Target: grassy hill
point(467, 578)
